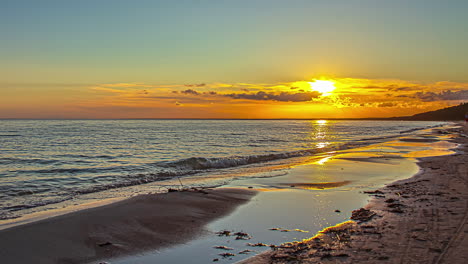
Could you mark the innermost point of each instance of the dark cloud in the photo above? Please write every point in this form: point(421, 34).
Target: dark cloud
point(386, 105)
point(374, 86)
point(281, 97)
point(190, 91)
point(259, 96)
point(195, 85)
point(370, 87)
point(442, 96)
point(399, 89)
point(391, 87)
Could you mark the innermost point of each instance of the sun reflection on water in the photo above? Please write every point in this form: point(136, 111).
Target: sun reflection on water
point(322, 144)
point(321, 122)
point(319, 134)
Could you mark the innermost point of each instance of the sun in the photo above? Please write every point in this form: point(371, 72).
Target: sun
point(323, 87)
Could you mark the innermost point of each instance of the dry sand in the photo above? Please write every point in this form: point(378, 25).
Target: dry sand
point(130, 226)
point(423, 219)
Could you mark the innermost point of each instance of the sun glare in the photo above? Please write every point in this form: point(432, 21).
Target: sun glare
point(323, 87)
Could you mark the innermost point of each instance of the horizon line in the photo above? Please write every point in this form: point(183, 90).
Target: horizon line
point(360, 118)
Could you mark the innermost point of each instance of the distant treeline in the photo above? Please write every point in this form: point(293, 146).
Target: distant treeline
point(450, 113)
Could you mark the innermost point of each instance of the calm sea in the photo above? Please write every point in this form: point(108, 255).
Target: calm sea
point(44, 162)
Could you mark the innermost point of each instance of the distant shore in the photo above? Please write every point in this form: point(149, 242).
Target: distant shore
point(423, 219)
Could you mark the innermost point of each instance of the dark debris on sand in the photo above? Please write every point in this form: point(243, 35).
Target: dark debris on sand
point(242, 236)
point(362, 215)
point(227, 255)
point(257, 245)
point(223, 247)
point(224, 233)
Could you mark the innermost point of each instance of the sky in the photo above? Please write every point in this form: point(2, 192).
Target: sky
point(231, 59)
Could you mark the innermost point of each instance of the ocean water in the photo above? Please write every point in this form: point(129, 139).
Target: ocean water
point(45, 162)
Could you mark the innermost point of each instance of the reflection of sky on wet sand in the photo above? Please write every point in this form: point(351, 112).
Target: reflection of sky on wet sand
point(317, 185)
point(305, 198)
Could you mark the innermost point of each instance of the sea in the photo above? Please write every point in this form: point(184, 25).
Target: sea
point(44, 163)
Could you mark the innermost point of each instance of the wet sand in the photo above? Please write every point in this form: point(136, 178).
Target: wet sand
point(423, 219)
point(130, 226)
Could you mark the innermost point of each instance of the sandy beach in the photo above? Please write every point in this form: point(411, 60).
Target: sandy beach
point(423, 219)
point(130, 226)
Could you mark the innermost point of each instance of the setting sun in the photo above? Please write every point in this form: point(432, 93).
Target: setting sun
point(323, 87)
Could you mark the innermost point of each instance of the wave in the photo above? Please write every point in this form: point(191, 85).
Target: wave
point(189, 166)
point(379, 138)
point(201, 163)
point(91, 170)
point(27, 161)
point(34, 204)
point(418, 128)
point(398, 135)
point(162, 171)
point(80, 156)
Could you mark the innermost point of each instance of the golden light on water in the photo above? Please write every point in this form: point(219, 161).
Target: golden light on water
point(322, 161)
point(320, 145)
point(321, 122)
point(323, 87)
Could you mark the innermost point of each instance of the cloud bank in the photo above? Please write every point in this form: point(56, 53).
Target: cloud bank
point(441, 96)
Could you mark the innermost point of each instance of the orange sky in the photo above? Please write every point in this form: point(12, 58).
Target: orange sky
point(231, 59)
point(352, 98)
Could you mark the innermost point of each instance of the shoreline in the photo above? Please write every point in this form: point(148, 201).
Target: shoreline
point(126, 240)
point(144, 222)
point(27, 211)
point(229, 166)
point(422, 219)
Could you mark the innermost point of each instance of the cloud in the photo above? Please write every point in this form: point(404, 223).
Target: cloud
point(281, 97)
point(405, 88)
point(195, 85)
point(349, 93)
point(387, 105)
point(442, 96)
point(190, 91)
point(300, 96)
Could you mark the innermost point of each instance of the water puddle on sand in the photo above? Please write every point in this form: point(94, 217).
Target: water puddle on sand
point(295, 206)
